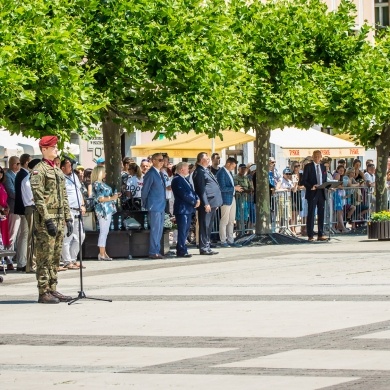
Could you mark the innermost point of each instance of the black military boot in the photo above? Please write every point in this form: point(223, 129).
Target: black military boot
point(46, 297)
point(61, 297)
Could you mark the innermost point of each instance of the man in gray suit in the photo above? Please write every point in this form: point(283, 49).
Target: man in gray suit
point(9, 184)
point(153, 200)
point(207, 188)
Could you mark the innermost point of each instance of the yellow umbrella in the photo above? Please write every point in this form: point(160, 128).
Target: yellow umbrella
point(189, 145)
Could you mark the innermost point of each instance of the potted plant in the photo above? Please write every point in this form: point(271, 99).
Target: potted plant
point(379, 225)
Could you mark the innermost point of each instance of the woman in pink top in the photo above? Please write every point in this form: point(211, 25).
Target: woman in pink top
point(3, 211)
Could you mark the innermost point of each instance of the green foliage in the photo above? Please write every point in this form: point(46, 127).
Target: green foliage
point(167, 65)
point(43, 87)
point(380, 216)
point(288, 47)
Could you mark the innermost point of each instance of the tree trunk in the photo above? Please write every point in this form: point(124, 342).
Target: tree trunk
point(112, 151)
point(382, 149)
point(263, 212)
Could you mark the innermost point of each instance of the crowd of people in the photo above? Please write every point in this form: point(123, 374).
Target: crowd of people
point(42, 203)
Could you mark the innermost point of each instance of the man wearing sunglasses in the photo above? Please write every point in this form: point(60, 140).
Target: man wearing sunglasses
point(153, 200)
point(9, 184)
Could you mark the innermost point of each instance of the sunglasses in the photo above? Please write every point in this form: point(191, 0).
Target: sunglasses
point(288, 174)
point(297, 166)
point(272, 162)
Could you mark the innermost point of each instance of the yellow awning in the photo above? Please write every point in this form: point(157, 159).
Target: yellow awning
point(189, 145)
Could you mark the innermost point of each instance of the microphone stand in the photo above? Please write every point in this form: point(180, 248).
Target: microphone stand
point(82, 294)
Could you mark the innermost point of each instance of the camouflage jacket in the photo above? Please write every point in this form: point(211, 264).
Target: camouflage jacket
point(48, 188)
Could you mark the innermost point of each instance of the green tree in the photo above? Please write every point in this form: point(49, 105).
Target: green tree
point(286, 45)
point(43, 87)
point(166, 65)
point(358, 96)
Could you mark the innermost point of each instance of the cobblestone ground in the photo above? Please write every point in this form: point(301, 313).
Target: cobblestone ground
point(313, 316)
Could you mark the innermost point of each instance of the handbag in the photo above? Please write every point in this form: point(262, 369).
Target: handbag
point(89, 204)
point(131, 224)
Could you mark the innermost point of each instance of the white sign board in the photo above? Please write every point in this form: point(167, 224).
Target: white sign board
point(96, 146)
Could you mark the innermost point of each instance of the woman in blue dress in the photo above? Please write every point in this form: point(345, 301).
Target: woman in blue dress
point(105, 207)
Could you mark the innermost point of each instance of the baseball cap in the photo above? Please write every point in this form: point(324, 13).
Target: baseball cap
point(242, 166)
point(100, 160)
point(252, 167)
point(286, 170)
point(272, 159)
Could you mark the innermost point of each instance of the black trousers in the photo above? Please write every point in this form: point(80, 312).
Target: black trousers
point(205, 226)
point(318, 201)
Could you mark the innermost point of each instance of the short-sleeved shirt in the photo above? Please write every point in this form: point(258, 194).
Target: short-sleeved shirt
point(102, 209)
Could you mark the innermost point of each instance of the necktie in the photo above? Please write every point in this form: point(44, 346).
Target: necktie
point(318, 174)
point(162, 178)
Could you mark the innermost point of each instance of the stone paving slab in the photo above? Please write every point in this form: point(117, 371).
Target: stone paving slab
point(16, 380)
point(320, 313)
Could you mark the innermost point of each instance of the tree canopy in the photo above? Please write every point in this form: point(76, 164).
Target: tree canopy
point(43, 88)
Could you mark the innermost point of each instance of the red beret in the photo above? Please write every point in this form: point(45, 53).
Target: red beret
point(48, 140)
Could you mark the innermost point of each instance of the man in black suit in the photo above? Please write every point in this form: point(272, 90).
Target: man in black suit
point(314, 174)
point(207, 188)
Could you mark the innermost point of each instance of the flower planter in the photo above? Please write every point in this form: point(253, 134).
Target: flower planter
point(379, 230)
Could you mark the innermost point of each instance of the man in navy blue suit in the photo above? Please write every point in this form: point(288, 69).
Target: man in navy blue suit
point(184, 206)
point(153, 200)
point(314, 174)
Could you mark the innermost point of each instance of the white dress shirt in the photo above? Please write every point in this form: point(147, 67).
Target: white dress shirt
point(27, 195)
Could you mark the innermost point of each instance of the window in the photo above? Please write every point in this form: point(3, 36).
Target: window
point(382, 12)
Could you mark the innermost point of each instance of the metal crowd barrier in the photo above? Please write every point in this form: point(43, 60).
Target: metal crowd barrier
point(346, 208)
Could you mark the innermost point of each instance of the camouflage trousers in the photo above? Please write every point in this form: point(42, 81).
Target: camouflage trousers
point(48, 254)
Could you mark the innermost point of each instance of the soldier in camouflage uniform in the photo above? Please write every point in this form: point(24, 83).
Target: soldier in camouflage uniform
point(52, 212)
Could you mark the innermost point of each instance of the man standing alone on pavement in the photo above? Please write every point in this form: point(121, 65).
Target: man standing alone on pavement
point(228, 208)
point(314, 175)
point(207, 188)
point(51, 202)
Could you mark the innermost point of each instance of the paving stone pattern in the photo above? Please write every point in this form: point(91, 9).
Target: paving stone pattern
point(166, 310)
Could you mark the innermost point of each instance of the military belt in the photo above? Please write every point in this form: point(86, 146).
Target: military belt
point(55, 211)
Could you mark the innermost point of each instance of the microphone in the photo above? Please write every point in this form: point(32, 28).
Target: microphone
point(72, 160)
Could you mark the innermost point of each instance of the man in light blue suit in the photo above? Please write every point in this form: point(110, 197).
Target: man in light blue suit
point(153, 200)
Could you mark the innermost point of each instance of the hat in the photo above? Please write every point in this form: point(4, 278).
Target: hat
point(34, 162)
point(272, 159)
point(286, 170)
point(100, 160)
point(80, 168)
point(47, 141)
point(252, 168)
point(242, 166)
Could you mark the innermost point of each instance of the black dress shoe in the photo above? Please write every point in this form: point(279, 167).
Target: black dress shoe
point(21, 269)
point(157, 256)
point(185, 255)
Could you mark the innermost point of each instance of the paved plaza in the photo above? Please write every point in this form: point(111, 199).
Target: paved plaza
point(295, 317)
